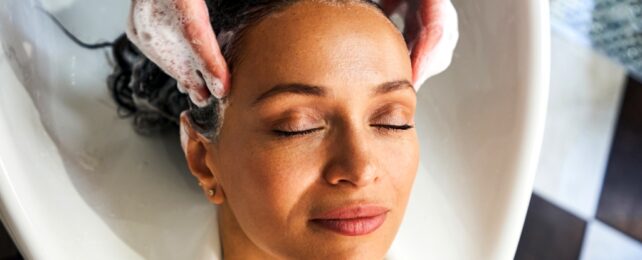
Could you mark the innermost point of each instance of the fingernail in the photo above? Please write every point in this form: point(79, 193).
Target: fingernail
point(216, 87)
point(181, 88)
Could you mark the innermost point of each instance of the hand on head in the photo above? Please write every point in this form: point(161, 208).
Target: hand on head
point(431, 32)
point(178, 37)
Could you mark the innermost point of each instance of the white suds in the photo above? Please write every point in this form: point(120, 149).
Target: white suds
point(155, 27)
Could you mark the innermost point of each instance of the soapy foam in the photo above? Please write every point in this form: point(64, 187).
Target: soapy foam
point(214, 84)
point(156, 28)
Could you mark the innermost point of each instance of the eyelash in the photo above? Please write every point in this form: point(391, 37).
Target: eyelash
point(394, 128)
point(295, 133)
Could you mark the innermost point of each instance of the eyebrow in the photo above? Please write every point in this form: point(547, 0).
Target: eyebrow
point(319, 91)
point(392, 86)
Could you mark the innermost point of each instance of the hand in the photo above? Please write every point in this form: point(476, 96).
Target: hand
point(178, 37)
point(431, 32)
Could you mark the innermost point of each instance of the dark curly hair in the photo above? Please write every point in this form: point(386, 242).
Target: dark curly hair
point(143, 91)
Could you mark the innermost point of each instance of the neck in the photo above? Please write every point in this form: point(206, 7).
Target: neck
point(235, 244)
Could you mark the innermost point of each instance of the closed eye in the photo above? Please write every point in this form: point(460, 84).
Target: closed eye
point(393, 127)
point(283, 133)
point(296, 133)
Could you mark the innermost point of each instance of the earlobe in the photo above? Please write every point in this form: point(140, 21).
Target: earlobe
point(216, 195)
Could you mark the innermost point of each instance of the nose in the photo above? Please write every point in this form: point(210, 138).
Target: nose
point(353, 163)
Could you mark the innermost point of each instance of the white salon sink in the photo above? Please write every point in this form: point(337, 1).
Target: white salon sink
point(77, 183)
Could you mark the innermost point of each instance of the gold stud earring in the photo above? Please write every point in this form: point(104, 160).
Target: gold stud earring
point(200, 183)
point(210, 192)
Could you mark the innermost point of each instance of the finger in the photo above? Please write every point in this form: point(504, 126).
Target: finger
point(423, 32)
point(422, 52)
point(435, 41)
point(426, 16)
point(194, 87)
point(199, 95)
point(430, 11)
point(198, 30)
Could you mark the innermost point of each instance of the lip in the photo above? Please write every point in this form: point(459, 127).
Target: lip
point(353, 220)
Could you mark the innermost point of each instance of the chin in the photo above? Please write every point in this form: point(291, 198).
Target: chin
point(333, 246)
point(368, 252)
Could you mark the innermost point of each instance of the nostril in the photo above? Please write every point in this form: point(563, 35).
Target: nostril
point(352, 175)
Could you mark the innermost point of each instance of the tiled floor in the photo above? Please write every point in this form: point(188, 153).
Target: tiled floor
point(583, 108)
point(587, 202)
point(621, 201)
point(550, 233)
point(604, 242)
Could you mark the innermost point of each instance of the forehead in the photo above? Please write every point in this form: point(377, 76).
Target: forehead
point(329, 45)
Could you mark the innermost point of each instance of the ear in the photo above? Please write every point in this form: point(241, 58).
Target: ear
point(198, 153)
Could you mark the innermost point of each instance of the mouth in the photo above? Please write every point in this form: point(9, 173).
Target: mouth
point(352, 221)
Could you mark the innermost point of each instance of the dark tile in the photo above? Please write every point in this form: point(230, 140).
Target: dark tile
point(7, 249)
point(13, 257)
point(621, 199)
point(550, 233)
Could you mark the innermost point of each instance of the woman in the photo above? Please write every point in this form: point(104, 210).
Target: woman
point(313, 152)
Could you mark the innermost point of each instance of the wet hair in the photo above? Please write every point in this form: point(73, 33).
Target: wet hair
point(143, 91)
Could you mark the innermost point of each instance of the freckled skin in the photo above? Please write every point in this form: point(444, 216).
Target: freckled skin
point(268, 187)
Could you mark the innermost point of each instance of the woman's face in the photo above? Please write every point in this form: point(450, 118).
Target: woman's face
point(315, 158)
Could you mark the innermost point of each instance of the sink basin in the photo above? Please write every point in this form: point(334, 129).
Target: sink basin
point(76, 182)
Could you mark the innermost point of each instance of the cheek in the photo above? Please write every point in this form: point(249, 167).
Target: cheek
point(263, 182)
point(264, 186)
point(401, 160)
